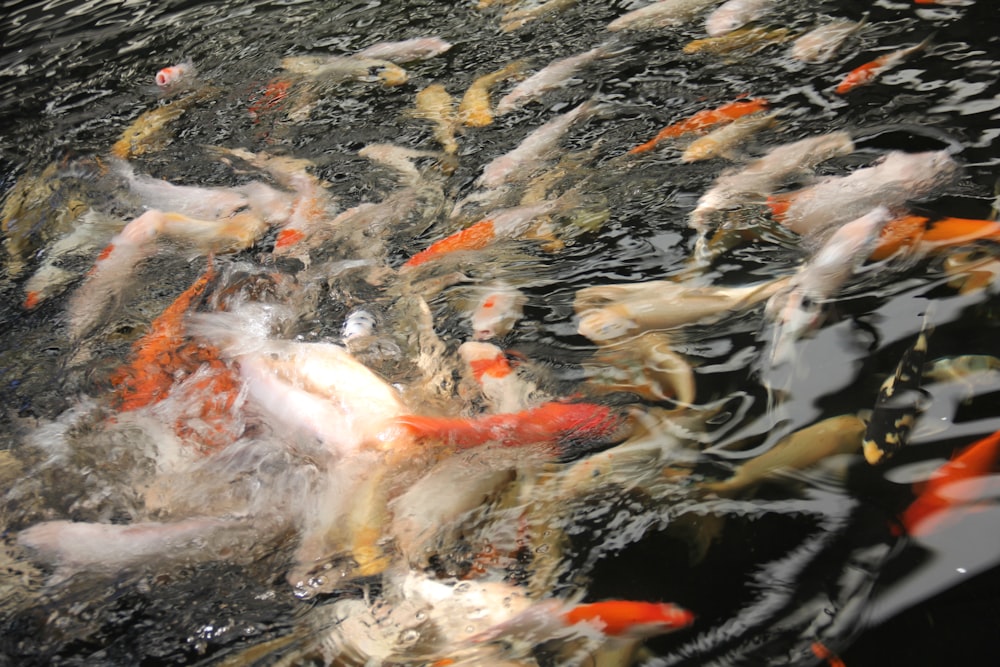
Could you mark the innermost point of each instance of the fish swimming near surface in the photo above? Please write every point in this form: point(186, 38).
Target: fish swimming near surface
point(407, 50)
point(735, 14)
point(659, 15)
point(706, 118)
point(475, 109)
point(175, 76)
point(821, 43)
point(868, 72)
point(721, 142)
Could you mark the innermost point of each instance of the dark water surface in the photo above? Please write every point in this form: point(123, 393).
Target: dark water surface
point(820, 562)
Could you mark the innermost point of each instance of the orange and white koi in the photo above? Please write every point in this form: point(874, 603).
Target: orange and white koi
point(557, 74)
point(761, 177)
point(868, 72)
point(720, 143)
point(502, 387)
point(726, 113)
point(537, 148)
point(475, 109)
point(510, 223)
point(407, 50)
point(175, 76)
point(499, 307)
point(800, 308)
point(822, 43)
point(734, 14)
point(891, 182)
point(934, 501)
point(661, 14)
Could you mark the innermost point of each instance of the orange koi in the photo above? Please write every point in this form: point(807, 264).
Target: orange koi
point(475, 237)
point(868, 72)
point(495, 367)
point(163, 358)
point(619, 618)
point(702, 120)
point(973, 461)
point(270, 98)
point(554, 424)
point(823, 653)
point(913, 231)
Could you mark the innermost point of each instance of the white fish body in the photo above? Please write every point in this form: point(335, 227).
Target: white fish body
point(660, 14)
point(893, 181)
point(534, 150)
point(820, 44)
point(334, 69)
point(761, 177)
point(407, 50)
point(735, 14)
point(800, 309)
point(556, 74)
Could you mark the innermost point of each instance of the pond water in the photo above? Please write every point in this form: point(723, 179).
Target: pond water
point(820, 557)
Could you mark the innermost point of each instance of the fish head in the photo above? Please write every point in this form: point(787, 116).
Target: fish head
point(496, 312)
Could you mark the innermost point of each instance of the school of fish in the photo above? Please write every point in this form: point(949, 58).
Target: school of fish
point(339, 388)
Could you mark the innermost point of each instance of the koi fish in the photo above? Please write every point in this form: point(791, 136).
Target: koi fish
point(475, 109)
point(704, 119)
point(563, 427)
point(765, 174)
point(891, 182)
point(920, 234)
point(721, 142)
point(556, 75)
point(645, 364)
point(621, 618)
point(534, 150)
point(181, 74)
point(436, 105)
point(822, 43)
point(800, 308)
point(511, 223)
point(496, 311)
point(334, 69)
point(407, 50)
point(489, 368)
point(734, 14)
point(899, 400)
point(517, 18)
point(147, 133)
point(661, 14)
point(868, 72)
point(796, 451)
point(933, 501)
point(617, 312)
point(745, 40)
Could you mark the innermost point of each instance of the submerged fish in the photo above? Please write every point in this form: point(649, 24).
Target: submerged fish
point(556, 75)
point(335, 69)
point(800, 309)
point(721, 142)
point(726, 113)
point(660, 14)
point(820, 44)
point(517, 18)
point(868, 72)
point(734, 14)
point(896, 407)
point(475, 109)
point(498, 308)
point(417, 48)
point(745, 40)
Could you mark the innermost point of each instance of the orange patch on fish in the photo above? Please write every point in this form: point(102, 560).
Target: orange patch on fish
point(704, 119)
point(973, 461)
point(288, 237)
point(823, 653)
point(497, 367)
point(31, 300)
point(621, 617)
point(271, 97)
point(475, 237)
point(913, 231)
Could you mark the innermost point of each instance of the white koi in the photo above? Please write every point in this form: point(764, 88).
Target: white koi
point(821, 44)
point(407, 50)
point(496, 311)
point(735, 14)
point(800, 308)
point(661, 14)
point(176, 76)
point(536, 149)
point(558, 74)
